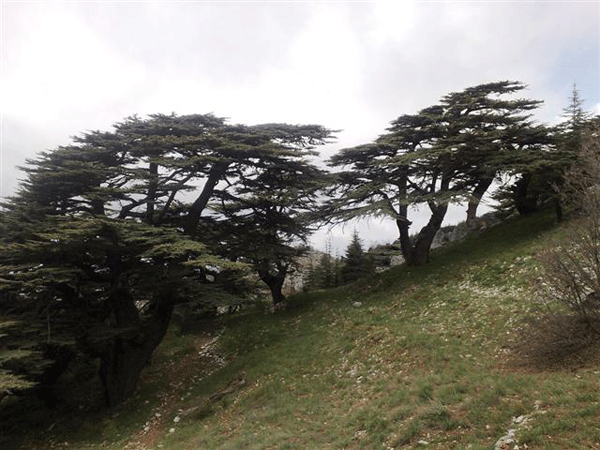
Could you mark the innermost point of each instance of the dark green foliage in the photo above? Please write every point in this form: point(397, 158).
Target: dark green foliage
point(540, 174)
point(446, 153)
point(91, 258)
point(98, 286)
point(356, 263)
point(325, 274)
point(267, 213)
point(108, 234)
point(576, 120)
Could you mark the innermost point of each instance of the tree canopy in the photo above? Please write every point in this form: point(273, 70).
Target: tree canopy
point(266, 215)
point(540, 172)
point(445, 153)
point(108, 234)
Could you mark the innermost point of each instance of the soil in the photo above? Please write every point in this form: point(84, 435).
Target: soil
point(180, 374)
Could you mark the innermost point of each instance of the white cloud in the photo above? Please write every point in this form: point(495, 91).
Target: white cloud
point(71, 66)
point(63, 69)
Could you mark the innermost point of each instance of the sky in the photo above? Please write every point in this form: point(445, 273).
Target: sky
point(71, 66)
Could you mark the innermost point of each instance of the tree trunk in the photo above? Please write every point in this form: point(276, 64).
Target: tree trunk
point(418, 252)
point(405, 241)
point(214, 176)
point(275, 283)
point(97, 207)
point(126, 355)
point(558, 209)
point(61, 356)
point(523, 202)
point(402, 221)
point(152, 186)
point(475, 199)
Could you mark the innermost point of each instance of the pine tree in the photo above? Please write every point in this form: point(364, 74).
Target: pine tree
point(326, 273)
point(356, 263)
point(576, 119)
point(540, 173)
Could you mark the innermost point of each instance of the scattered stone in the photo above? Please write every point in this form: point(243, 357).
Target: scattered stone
point(172, 430)
point(357, 304)
point(396, 260)
point(506, 442)
point(360, 434)
point(176, 419)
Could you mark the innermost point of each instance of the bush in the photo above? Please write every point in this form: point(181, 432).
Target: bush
point(572, 267)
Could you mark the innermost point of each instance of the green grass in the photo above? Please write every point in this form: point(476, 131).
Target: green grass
point(425, 358)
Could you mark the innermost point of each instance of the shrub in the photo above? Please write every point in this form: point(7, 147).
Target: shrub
point(572, 267)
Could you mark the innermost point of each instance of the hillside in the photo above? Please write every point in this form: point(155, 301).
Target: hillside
point(411, 358)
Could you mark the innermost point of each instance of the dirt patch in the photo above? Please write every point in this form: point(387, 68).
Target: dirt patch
point(181, 373)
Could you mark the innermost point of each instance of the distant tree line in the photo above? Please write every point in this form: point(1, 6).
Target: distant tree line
point(107, 235)
point(332, 271)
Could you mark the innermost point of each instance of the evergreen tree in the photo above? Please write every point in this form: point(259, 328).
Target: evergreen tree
point(445, 153)
point(103, 287)
point(356, 263)
point(576, 119)
point(107, 235)
point(540, 174)
point(268, 212)
point(326, 273)
point(488, 132)
point(309, 278)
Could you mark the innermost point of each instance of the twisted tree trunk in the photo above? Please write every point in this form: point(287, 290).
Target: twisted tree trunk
point(475, 199)
point(416, 252)
point(275, 284)
point(128, 353)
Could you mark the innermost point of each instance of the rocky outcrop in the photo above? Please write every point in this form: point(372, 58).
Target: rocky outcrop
point(455, 233)
point(294, 280)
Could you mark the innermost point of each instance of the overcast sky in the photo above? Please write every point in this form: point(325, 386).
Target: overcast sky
point(73, 66)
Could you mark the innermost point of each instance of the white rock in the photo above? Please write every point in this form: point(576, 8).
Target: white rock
point(396, 260)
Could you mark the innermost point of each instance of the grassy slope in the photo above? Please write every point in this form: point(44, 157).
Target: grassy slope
point(424, 359)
